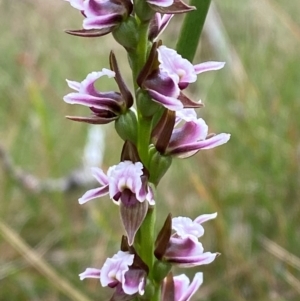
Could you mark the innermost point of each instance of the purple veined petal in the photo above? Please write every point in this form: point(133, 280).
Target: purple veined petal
point(90, 273)
point(162, 3)
point(168, 102)
point(194, 261)
point(73, 85)
point(163, 22)
point(184, 226)
point(174, 64)
point(99, 175)
point(189, 133)
point(183, 247)
point(183, 289)
point(115, 268)
point(99, 22)
point(93, 194)
point(78, 4)
point(163, 83)
point(87, 85)
point(93, 8)
point(205, 217)
point(188, 150)
point(214, 141)
point(208, 66)
point(92, 101)
point(134, 282)
point(187, 252)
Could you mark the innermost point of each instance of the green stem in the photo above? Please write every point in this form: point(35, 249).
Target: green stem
point(144, 132)
point(192, 28)
point(146, 239)
point(157, 294)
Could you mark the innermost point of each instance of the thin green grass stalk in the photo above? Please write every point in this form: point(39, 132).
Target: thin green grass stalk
point(192, 28)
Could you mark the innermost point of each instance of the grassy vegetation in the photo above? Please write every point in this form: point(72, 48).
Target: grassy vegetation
point(253, 181)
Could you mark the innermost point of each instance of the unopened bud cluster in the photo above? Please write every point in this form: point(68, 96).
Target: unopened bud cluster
point(157, 122)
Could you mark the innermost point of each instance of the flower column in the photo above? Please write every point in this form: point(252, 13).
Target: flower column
point(163, 125)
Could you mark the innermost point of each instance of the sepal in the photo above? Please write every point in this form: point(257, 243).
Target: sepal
point(89, 33)
point(163, 238)
point(126, 33)
point(162, 132)
point(125, 92)
point(158, 165)
point(132, 216)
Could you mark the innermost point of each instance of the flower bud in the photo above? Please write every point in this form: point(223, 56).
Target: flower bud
point(158, 165)
point(146, 105)
point(126, 126)
point(127, 33)
point(161, 270)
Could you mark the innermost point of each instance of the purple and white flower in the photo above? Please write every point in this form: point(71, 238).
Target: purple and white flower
point(192, 136)
point(183, 288)
point(180, 69)
point(174, 74)
point(128, 187)
point(118, 271)
point(183, 248)
point(105, 106)
point(124, 182)
point(102, 14)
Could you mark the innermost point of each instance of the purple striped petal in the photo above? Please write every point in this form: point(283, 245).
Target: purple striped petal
point(99, 175)
point(187, 252)
point(92, 101)
point(208, 66)
point(99, 22)
point(88, 84)
point(170, 103)
point(205, 217)
point(90, 273)
point(183, 289)
point(187, 150)
point(93, 194)
point(134, 282)
point(193, 261)
point(163, 22)
point(189, 133)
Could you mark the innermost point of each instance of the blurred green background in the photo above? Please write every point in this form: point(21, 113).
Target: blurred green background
point(47, 239)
